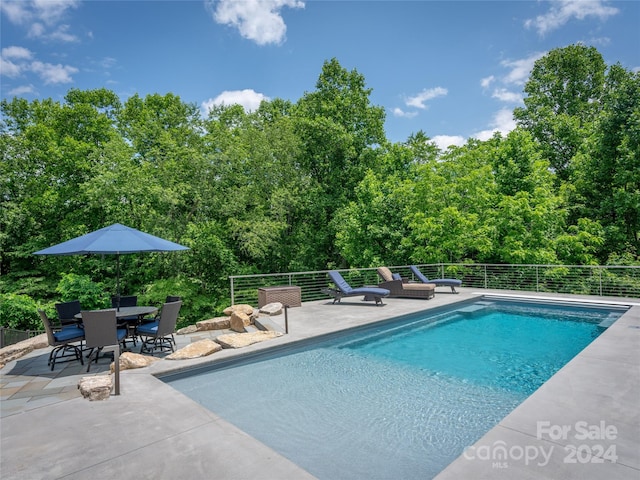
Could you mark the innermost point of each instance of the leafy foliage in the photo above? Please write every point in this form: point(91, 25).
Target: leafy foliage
point(312, 185)
point(19, 312)
point(80, 287)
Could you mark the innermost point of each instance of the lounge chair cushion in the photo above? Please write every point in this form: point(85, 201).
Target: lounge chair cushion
point(386, 274)
point(450, 282)
point(345, 290)
point(418, 286)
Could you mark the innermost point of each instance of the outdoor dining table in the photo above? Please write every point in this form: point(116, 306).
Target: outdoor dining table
point(124, 312)
point(129, 317)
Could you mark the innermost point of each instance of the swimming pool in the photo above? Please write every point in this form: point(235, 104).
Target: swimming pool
point(401, 399)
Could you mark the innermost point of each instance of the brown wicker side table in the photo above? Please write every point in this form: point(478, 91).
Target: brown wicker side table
point(285, 294)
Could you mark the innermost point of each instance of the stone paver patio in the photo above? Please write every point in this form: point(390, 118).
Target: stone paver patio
point(48, 430)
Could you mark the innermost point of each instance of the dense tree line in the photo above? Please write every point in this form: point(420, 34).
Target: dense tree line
point(315, 184)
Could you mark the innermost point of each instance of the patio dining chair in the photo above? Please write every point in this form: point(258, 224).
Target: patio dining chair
point(158, 335)
point(66, 312)
point(129, 322)
point(101, 332)
point(63, 341)
point(169, 299)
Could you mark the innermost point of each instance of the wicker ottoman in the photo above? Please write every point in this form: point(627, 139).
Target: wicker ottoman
point(285, 294)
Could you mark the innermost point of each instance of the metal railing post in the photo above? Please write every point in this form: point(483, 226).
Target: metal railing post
point(286, 319)
point(537, 278)
point(600, 279)
point(485, 276)
point(232, 292)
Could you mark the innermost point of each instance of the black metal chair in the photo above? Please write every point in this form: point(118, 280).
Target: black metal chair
point(158, 335)
point(63, 341)
point(101, 332)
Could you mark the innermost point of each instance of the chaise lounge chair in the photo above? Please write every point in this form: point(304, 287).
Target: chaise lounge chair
point(448, 282)
point(400, 288)
point(343, 289)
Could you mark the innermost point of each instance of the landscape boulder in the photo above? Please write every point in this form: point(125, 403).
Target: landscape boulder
point(97, 387)
point(217, 323)
point(130, 360)
point(239, 320)
point(201, 348)
point(17, 350)
point(239, 340)
point(187, 330)
point(274, 308)
point(246, 309)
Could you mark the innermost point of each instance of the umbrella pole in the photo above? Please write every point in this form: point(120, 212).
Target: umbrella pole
point(118, 282)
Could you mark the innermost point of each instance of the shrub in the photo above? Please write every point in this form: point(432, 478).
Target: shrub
point(19, 312)
point(196, 305)
point(80, 287)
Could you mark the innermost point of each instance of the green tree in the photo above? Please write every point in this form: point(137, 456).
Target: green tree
point(606, 177)
point(339, 131)
point(47, 153)
point(563, 98)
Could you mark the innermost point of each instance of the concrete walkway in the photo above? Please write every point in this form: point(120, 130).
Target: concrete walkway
point(48, 431)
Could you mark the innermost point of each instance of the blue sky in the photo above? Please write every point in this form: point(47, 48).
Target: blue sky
point(453, 69)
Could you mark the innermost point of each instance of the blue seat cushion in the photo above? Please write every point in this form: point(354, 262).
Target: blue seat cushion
point(121, 332)
point(150, 328)
point(396, 276)
point(68, 333)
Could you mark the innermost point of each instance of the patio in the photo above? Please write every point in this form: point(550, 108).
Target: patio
point(151, 430)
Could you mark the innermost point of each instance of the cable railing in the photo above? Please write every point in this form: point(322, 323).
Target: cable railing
point(598, 280)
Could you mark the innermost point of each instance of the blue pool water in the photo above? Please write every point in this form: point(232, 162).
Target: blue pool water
point(402, 399)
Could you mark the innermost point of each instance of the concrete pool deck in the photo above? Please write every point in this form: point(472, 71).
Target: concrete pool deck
point(48, 431)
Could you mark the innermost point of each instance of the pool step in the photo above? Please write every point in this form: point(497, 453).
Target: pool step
point(476, 307)
point(265, 323)
point(607, 322)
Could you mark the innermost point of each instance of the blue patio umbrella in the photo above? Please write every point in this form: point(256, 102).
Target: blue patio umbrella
point(115, 239)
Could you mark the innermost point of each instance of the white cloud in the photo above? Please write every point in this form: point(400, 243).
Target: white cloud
point(503, 122)
point(18, 13)
point(398, 112)
point(487, 81)
point(16, 53)
point(9, 69)
point(418, 101)
point(50, 73)
point(505, 95)
point(520, 69)
point(445, 141)
point(16, 61)
point(41, 17)
point(564, 10)
point(257, 20)
point(248, 98)
point(61, 34)
point(52, 11)
point(22, 90)
point(13, 61)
